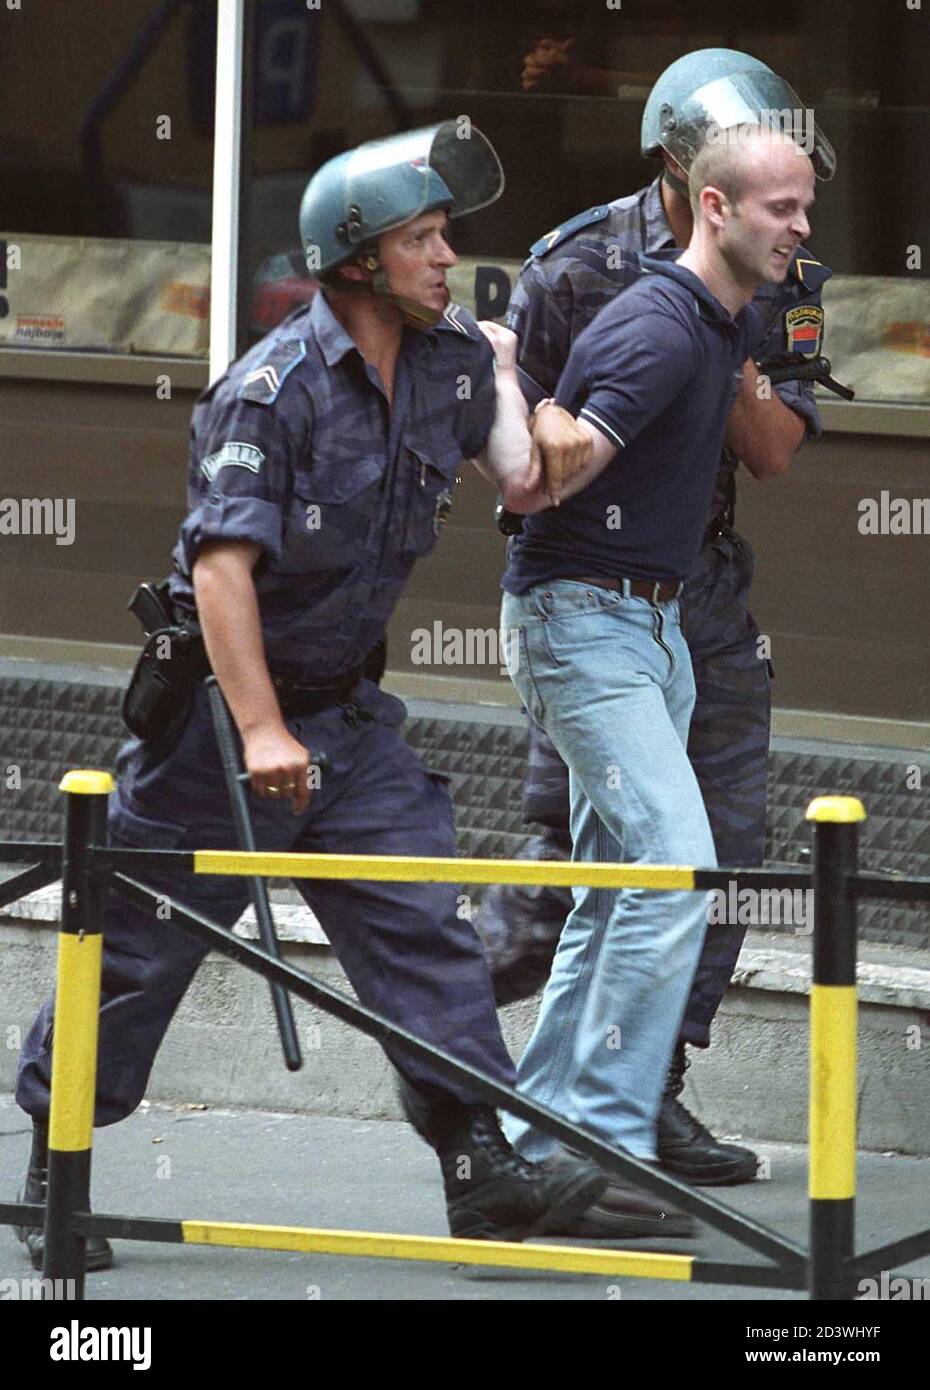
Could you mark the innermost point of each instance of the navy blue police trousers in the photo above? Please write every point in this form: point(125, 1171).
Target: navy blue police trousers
point(405, 951)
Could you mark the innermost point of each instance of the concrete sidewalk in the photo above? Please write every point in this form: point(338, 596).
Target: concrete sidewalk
point(223, 1048)
point(284, 1169)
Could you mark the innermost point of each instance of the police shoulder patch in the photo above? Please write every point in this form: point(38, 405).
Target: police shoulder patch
point(263, 383)
point(233, 454)
point(552, 239)
point(804, 329)
point(807, 271)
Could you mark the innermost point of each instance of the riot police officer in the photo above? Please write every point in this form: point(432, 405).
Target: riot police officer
point(572, 273)
point(322, 466)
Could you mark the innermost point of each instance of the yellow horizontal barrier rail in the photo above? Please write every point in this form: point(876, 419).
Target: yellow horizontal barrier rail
point(403, 868)
point(829, 1265)
point(501, 1254)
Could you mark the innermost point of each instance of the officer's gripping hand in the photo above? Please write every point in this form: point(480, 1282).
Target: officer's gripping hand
point(564, 447)
point(504, 342)
point(278, 766)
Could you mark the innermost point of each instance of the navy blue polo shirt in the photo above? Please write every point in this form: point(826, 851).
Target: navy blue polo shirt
point(656, 373)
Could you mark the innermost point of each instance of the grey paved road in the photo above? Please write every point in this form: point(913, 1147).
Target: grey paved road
point(284, 1169)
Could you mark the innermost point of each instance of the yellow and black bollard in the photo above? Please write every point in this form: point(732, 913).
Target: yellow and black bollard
point(832, 1170)
point(74, 1053)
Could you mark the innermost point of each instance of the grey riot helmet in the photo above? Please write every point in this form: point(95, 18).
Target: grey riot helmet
point(717, 89)
point(381, 185)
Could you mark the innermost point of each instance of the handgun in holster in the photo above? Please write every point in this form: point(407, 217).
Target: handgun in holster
point(172, 661)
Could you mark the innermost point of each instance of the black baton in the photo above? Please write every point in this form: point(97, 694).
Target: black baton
point(795, 366)
point(258, 891)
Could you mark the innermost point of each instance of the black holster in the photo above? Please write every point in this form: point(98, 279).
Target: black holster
point(171, 663)
point(174, 659)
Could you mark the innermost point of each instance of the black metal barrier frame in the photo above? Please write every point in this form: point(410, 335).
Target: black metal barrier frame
point(828, 1269)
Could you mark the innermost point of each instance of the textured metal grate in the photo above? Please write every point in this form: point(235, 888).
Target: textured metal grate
point(487, 770)
point(47, 726)
point(56, 718)
point(895, 838)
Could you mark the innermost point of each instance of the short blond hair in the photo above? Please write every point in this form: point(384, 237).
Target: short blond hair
point(725, 162)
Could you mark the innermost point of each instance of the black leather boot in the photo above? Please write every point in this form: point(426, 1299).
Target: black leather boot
point(491, 1192)
point(98, 1253)
point(494, 1194)
point(689, 1150)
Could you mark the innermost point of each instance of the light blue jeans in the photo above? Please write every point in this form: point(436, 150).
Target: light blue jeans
point(609, 678)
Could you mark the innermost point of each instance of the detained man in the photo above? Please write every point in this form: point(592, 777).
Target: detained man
point(598, 656)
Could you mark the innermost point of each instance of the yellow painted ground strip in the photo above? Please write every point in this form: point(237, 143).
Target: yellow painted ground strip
point(74, 1056)
point(400, 868)
point(501, 1254)
point(833, 1091)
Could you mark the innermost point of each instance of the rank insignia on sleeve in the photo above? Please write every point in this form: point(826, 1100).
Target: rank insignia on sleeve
point(450, 316)
point(804, 329)
point(263, 383)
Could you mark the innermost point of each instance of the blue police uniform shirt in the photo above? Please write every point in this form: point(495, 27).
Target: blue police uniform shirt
point(297, 450)
point(656, 373)
point(582, 264)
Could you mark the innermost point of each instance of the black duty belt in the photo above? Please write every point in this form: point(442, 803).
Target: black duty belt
point(299, 697)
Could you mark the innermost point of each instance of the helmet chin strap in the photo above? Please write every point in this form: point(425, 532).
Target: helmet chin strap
point(673, 181)
point(413, 313)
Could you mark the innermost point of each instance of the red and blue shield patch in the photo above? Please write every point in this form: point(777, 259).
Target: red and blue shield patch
point(804, 329)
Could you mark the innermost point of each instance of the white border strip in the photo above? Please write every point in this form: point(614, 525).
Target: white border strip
point(227, 137)
point(602, 425)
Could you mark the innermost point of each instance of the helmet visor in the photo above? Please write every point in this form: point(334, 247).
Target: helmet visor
point(468, 165)
point(391, 181)
point(745, 99)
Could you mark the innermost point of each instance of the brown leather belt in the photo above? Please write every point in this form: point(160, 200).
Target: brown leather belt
point(656, 591)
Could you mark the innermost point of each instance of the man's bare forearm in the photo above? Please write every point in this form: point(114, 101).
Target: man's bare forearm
point(762, 431)
point(532, 462)
point(507, 455)
point(535, 496)
point(227, 606)
point(527, 458)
